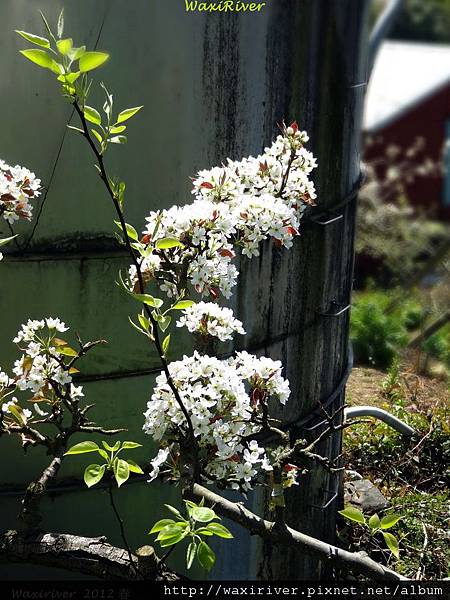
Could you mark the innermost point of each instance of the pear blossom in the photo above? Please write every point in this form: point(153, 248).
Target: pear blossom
point(207, 318)
point(219, 400)
point(18, 187)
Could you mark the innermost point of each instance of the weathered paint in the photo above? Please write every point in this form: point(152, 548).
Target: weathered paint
point(213, 85)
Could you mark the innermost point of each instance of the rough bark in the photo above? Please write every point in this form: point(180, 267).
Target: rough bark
point(89, 556)
point(358, 562)
point(321, 48)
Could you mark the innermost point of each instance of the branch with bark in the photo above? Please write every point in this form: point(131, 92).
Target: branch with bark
point(358, 562)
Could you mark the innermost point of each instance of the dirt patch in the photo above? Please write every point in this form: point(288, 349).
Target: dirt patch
point(420, 392)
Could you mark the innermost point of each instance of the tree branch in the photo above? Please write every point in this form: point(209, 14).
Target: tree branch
point(89, 556)
point(358, 562)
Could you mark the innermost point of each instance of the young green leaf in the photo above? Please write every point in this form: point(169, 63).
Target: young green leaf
point(67, 351)
point(40, 58)
point(82, 448)
point(392, 543)
point(121, 471)
point(7, 240)
point(204, 531)
point(164, 322)
point(118, 139)
point(92, 115)
point(130, 445)
point(165, 344)
point(203, 514)
point(77, 53)
point(127, 114)
point(93, 474)
point(206, 556)
point(182, 304)
point(64, 46)
point(190, 554)
point(34, 39)
point(353, 514)
point(219, 530)
point(175, 511)
point(167, 243)
point(97, 135)
point(92, 60)
point(374, 522)
point(147, 299)
point(114, 448)
point(131, 231)
point(134, 467)
point(159, 525)
point(389, 521)
point(119, 129)
point(60, 26)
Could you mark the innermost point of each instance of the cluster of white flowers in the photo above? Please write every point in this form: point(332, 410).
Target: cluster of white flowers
point(208, 318)
point(219, 397)
point(40, 366)
point(239, 204)
point(18, 186)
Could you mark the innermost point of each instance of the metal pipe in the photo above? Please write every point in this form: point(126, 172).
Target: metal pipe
point(382, 415)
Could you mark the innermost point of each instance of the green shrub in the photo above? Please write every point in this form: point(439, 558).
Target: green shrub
point(377, 336)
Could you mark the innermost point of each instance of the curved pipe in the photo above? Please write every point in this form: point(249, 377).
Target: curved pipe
point(382, 415)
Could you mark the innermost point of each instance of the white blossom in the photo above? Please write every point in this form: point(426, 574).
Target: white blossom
point(18, 187)
point(207, 318)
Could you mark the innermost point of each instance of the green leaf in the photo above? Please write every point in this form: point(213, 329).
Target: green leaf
point(353, 514)
point(147, 299)
point(206, 556)
point(92, 115)
point(392, 543)
point(165, 344)
point(159, 525)
point(119, 129)
point(64, 46)
point(47, 26)
point(67, 351)
point(166, 243)
point(172, 534)
point(82, 448)
point(170, 530)
point(118, 139)
point(219, 530)
point(175, 511)
point(121, 471)
point(144, 322)
point(7, 240)
point(190, 554)
point(103, 454)
point(17, 412)
point(374, 522)
point(97, 135)
point(182, 304)
point(39, 57)
point(93, 474)
point(134, 467)
point(34, 39)
point(92, 60)
point(60, 26)
point(131, 231)
point(164, 322)
point(127, 114)
point(389, 521)
point(69, 78)
point(130, 445)
point(203, 514)
point(204, 531)
point(77, 53)
point(114, 448)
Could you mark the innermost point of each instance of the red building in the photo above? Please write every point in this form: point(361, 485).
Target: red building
point(408, 106)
